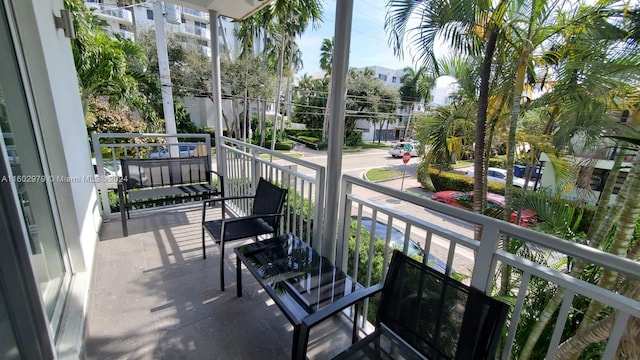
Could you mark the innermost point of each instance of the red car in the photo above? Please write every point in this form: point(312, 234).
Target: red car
point(495, 205)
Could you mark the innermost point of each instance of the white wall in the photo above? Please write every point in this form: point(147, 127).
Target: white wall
point(56, 98)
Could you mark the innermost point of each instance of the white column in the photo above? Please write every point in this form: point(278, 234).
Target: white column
point(217, 90)
point(165, 78)
point(340, 67)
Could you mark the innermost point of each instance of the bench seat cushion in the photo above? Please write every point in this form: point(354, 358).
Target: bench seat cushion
point(173, 191)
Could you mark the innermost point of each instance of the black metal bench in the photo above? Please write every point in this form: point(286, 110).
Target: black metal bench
point(158, 181)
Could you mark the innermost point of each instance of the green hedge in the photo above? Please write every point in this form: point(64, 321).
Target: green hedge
point(445, 180)
point(284, 145)
point(316, 133)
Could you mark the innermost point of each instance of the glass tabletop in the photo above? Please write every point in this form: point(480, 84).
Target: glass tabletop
point(298, 279)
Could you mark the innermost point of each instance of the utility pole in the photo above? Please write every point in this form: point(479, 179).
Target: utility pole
point(165, 79)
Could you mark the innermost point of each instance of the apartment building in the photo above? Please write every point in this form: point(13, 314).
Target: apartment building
point(183, 21)
point(400, 128)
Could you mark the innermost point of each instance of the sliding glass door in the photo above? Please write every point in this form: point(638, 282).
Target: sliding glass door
point(27, 177)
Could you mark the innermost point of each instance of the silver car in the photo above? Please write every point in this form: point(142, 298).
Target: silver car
point(500, 175)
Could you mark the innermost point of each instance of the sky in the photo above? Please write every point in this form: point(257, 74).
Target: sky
point(369, 45)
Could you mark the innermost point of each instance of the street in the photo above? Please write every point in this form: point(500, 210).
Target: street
point(357, 164)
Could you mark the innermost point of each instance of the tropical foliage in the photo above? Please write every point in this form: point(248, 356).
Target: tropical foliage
point(556, 76)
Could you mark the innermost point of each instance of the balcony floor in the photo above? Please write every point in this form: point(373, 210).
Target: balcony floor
point(153, 296)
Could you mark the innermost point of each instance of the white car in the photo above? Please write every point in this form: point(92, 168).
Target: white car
point(500, 175)
point(110, 174)
point(185, 151)
point(400, 148)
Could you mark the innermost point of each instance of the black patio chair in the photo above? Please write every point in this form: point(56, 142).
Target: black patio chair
point(423, 313)
point(264, 219)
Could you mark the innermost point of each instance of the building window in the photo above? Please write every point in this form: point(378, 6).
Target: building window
point(149, 14)
point(382, 77)
point(201, 24)
point(394, 79)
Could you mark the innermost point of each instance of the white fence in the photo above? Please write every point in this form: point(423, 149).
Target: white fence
point(446, 233)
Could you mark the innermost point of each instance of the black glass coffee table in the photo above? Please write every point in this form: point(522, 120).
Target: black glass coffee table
point(302, 283)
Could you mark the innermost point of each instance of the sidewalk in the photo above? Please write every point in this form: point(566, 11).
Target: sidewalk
point(410, 185)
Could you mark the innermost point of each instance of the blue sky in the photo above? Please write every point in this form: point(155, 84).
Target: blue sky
point(369, 44)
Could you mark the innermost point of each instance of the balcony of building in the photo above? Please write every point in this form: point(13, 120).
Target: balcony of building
point(195, 15)
point(111, 13)
point(154, 296)
point(195, 31)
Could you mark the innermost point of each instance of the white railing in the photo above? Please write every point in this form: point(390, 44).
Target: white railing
point(246, 163)
point(195, 30)
point(109, 148)
point(110, 11)
point(195, 13)
point(446, 233)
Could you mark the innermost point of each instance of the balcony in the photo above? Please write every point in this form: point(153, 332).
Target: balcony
point(195, 14)
point(153, 294)
point(195, 31)
point(111, 12)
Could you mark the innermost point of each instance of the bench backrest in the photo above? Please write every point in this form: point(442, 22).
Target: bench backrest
point(437, 315)
point(148, 173)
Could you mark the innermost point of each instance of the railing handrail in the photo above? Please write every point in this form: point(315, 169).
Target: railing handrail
point(581, 251)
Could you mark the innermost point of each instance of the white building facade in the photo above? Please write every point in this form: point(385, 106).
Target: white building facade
point(400, 128)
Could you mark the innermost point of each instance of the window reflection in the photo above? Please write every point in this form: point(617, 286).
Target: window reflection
point(26, 177)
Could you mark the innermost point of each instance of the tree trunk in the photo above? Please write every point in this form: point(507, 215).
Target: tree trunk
point(287, 93)
point(327, 107)
point(263, 120)
point(279, 83)
point(481, 126)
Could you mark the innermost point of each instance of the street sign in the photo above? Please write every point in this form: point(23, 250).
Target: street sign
point(405, 157)
point(407, 147)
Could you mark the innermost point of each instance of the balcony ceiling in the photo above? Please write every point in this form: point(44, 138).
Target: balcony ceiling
point(235, 9)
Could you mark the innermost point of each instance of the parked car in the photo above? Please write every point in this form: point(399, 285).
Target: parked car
point(398, 149)
point(495, 205)
point(184, 151)
point(500, 175)
point(397, 241)
point(110, 174)
point(521, 170)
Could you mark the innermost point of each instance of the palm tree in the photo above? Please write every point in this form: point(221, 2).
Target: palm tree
point(326, 61)
point(416, 85)
point(107, 67)
point(589, 76)
point(465, 25)
point(292, 17)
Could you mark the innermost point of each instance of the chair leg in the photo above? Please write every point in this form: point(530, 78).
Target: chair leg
point(221, 264)
point(204, 253)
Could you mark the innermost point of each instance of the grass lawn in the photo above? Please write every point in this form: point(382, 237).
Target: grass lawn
point(379, 174)
point(375, 145)
point(288, 153)
point(462, 163)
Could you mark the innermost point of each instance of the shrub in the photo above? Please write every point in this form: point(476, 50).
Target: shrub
point(354, 138)
point(445, 180)
point(310, 139)
point(498, 161)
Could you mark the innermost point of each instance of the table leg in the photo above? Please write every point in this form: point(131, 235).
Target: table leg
point(238, 277)
point(354, 334)
point(295, 348)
